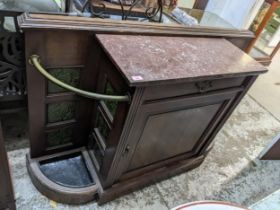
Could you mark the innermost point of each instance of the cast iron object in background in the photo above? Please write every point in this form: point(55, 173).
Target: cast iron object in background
point(12, 64)
point(99, 9)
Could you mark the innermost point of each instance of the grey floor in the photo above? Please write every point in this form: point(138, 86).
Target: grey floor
point(271, 202)
point(266, 89)
point(231, 172)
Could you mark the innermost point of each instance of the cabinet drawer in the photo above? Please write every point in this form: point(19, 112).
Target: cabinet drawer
point(158, 92)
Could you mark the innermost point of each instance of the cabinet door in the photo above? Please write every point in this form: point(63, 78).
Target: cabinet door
point(108, 119)
point(172, 127)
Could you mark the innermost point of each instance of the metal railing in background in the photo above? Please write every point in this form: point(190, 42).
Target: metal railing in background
point(12, 63)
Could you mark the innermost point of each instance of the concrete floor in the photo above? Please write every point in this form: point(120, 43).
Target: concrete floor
point(266, 89)
point(271, 202)
point(231, 172)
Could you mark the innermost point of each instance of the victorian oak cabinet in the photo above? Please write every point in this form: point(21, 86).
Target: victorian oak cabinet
point(112, 113)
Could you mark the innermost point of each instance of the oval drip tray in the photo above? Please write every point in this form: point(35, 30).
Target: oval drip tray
point(68, 171)
point(67, 177)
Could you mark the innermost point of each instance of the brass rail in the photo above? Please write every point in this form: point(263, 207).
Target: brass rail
point(35, 61)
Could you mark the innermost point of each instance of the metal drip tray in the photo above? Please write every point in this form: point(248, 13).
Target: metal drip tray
point(68, 171)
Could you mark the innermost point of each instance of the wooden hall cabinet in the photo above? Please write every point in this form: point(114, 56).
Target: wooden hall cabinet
point(179, 91)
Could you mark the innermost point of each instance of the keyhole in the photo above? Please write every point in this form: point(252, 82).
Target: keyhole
point(126, 151)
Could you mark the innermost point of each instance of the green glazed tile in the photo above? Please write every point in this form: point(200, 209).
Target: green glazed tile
point(59, 137)
point(60, 111)
point(102, 127)
point(70, 76)
point(111, 105)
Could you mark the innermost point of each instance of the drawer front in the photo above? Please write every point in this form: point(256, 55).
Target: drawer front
point(204, 86)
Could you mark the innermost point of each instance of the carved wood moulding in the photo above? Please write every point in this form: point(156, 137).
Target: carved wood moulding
point(98, 25)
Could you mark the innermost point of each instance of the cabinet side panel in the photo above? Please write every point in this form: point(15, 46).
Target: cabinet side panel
point(34, 42)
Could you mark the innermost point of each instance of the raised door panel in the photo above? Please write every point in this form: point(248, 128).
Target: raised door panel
point(169, 134)
point(176, 126)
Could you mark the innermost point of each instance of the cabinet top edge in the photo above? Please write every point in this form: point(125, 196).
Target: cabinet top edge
point(35, 21)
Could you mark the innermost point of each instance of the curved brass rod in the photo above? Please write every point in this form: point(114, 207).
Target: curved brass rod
point(35, 61)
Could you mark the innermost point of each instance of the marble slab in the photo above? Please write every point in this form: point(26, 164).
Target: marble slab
point(148, 60)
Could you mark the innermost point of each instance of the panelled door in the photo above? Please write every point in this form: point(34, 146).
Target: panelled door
point(108, 119)
point(168, 128)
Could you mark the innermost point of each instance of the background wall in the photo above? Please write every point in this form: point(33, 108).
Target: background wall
point(186, 3)
point(275, 39)
point(240, 13)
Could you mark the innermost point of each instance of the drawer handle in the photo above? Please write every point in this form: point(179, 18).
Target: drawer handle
point(35, 61)
point(203, 86)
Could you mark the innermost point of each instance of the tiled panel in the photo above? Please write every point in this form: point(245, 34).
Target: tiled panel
point(70, 76)
point(59, 137)
point(60, 111)
point(111, 105)
point(102, 127)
